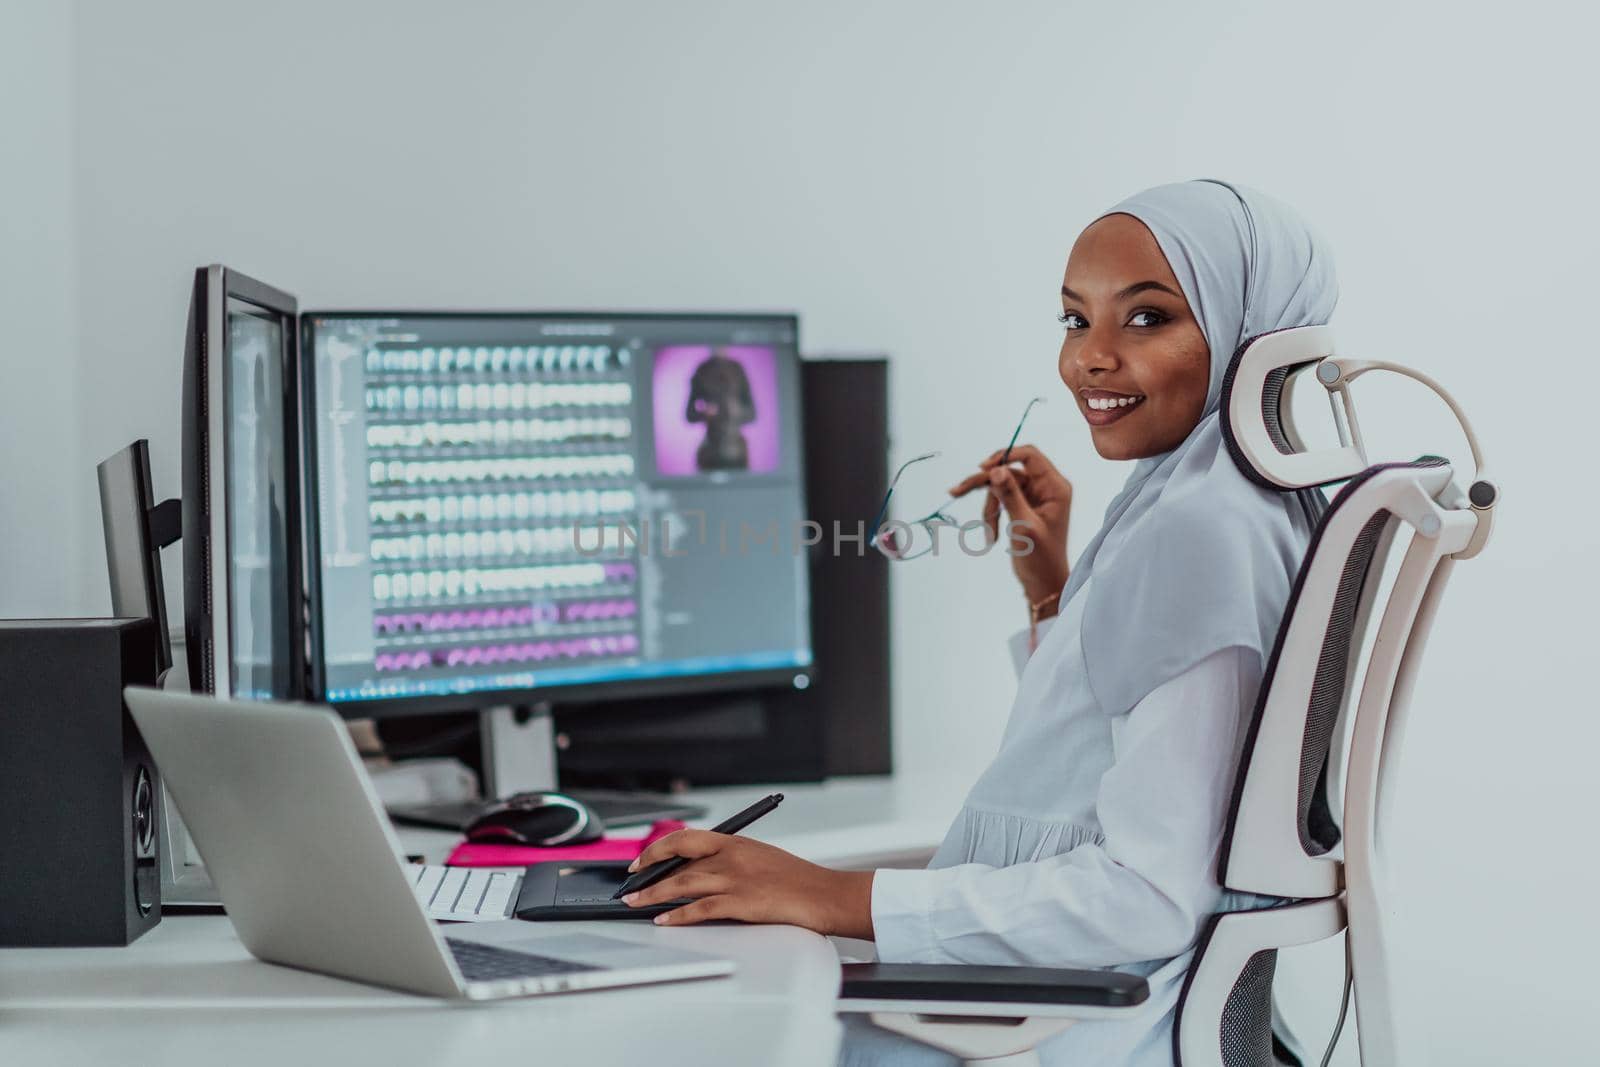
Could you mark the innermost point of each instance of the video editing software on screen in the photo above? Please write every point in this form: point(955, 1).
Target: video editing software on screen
point(508, 502)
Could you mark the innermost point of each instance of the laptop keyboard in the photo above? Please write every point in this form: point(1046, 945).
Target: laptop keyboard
point(464, 894)
point(486, 963)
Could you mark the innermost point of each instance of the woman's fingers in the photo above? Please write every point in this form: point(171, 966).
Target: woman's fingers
point(980, 480)
point(693, 844)
point(1010, 493)
point(687, 883)
point(1026, 460)
point(721, 906)
point(1033, 461)
point(756, 882)
point(1030, 459)
point(966, 485)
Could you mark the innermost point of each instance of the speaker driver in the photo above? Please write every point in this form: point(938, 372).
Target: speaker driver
point(146, 874)
point(144, 814)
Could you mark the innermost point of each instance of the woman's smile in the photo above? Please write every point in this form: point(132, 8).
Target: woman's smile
point(1102, 407)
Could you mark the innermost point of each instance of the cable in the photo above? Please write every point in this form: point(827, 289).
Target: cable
point(1344, 1005)
point(427, 745)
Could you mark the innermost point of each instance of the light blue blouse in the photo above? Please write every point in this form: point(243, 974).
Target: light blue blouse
point(1090, 841)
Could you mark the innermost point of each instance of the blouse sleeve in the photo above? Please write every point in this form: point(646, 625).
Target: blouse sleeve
point(1142, 892)
point(1018, 644)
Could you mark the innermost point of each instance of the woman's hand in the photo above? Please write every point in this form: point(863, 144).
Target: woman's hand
point(736, 877)
point(1038, 501)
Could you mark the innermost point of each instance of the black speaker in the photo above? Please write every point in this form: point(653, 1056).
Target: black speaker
point(81, 794)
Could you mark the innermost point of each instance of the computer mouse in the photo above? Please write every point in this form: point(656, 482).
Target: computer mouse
point(537, 819)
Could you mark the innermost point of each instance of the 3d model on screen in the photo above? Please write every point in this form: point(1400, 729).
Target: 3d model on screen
point(715, 410)
point(719, 396)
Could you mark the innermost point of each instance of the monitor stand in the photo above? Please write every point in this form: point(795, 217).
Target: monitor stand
point(519, 749)
point(519, 756)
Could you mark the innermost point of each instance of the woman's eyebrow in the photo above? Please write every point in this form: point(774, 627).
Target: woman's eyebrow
point(1135, 288)
point(1141, 287)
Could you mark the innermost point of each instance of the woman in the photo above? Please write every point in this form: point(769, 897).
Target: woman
point(1092, 839)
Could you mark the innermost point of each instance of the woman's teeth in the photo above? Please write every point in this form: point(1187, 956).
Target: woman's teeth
point(1108, 404)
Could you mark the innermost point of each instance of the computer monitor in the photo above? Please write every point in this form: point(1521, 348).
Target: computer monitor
point(241, 515)
point(522, 508)
point(136, 530)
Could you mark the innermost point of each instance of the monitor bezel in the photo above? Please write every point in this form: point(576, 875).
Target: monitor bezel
point(208, 587)
point(133, 556)
point(567, 694)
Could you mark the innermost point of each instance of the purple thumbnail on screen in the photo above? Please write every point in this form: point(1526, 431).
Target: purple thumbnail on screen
point(716, 408)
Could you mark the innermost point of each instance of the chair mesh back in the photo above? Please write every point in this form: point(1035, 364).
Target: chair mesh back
point(1244, 1032)
point(1247, 1015)
point(1272, 407)
point(1318, 830)
point(1271, 411)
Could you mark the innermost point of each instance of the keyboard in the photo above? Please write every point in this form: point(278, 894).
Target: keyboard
point(486, 963)
point(465, 894)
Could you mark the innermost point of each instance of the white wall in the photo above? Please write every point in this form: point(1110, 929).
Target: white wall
point(41, 448)
point(908, 176)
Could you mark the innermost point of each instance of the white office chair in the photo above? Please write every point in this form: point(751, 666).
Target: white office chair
point(1282, 834)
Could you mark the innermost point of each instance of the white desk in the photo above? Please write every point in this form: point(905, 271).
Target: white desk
point(189, 993)
point(854, 823)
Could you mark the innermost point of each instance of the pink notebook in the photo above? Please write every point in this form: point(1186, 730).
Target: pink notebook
point(471, 854)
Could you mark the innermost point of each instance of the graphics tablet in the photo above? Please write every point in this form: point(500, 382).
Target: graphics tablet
point(556, 891)
point(540, 892)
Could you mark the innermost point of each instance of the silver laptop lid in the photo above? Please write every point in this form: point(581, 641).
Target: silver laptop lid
point(295, 838)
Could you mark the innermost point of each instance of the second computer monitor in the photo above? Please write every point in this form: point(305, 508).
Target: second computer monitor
point(509, 506)
point(240, 512)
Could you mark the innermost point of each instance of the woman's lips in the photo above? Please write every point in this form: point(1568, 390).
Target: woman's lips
point(1102, 409)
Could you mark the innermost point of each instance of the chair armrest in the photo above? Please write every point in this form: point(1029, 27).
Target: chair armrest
point(965, 989)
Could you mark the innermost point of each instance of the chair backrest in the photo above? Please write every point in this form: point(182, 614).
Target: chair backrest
point(1282, 832)
point(1281, 829)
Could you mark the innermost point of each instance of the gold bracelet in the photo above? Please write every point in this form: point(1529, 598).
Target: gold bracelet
point(1033, 618)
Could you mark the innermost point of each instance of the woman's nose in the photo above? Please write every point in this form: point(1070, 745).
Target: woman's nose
point(1090, 355)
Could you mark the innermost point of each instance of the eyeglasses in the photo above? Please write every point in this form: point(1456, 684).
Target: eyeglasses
point(902, 541)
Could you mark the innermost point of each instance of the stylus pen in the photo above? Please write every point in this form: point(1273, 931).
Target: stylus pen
point(732, 825)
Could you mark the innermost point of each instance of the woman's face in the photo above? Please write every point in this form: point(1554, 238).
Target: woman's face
point(1134, 356)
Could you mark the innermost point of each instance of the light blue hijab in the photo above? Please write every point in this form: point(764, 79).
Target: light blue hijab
point(1193, 557)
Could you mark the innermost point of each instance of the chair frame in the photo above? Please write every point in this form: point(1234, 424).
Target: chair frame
point(1337, 890)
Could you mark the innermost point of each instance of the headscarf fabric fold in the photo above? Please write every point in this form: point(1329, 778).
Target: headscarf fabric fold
point(1192, 557)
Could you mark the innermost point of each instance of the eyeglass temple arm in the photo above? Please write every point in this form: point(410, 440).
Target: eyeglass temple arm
point(1006, 458)
point(884, 508)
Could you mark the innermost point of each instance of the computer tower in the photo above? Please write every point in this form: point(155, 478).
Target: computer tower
point(847, 475)
point(81, 793)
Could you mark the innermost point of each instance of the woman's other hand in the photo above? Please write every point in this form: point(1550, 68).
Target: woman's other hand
point(1038, 501)
point(735, 877)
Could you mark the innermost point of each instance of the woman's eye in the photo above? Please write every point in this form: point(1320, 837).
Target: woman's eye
point(1071, 320)
point(1147, 319)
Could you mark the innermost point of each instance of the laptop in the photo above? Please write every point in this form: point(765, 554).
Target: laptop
point(311, 873)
